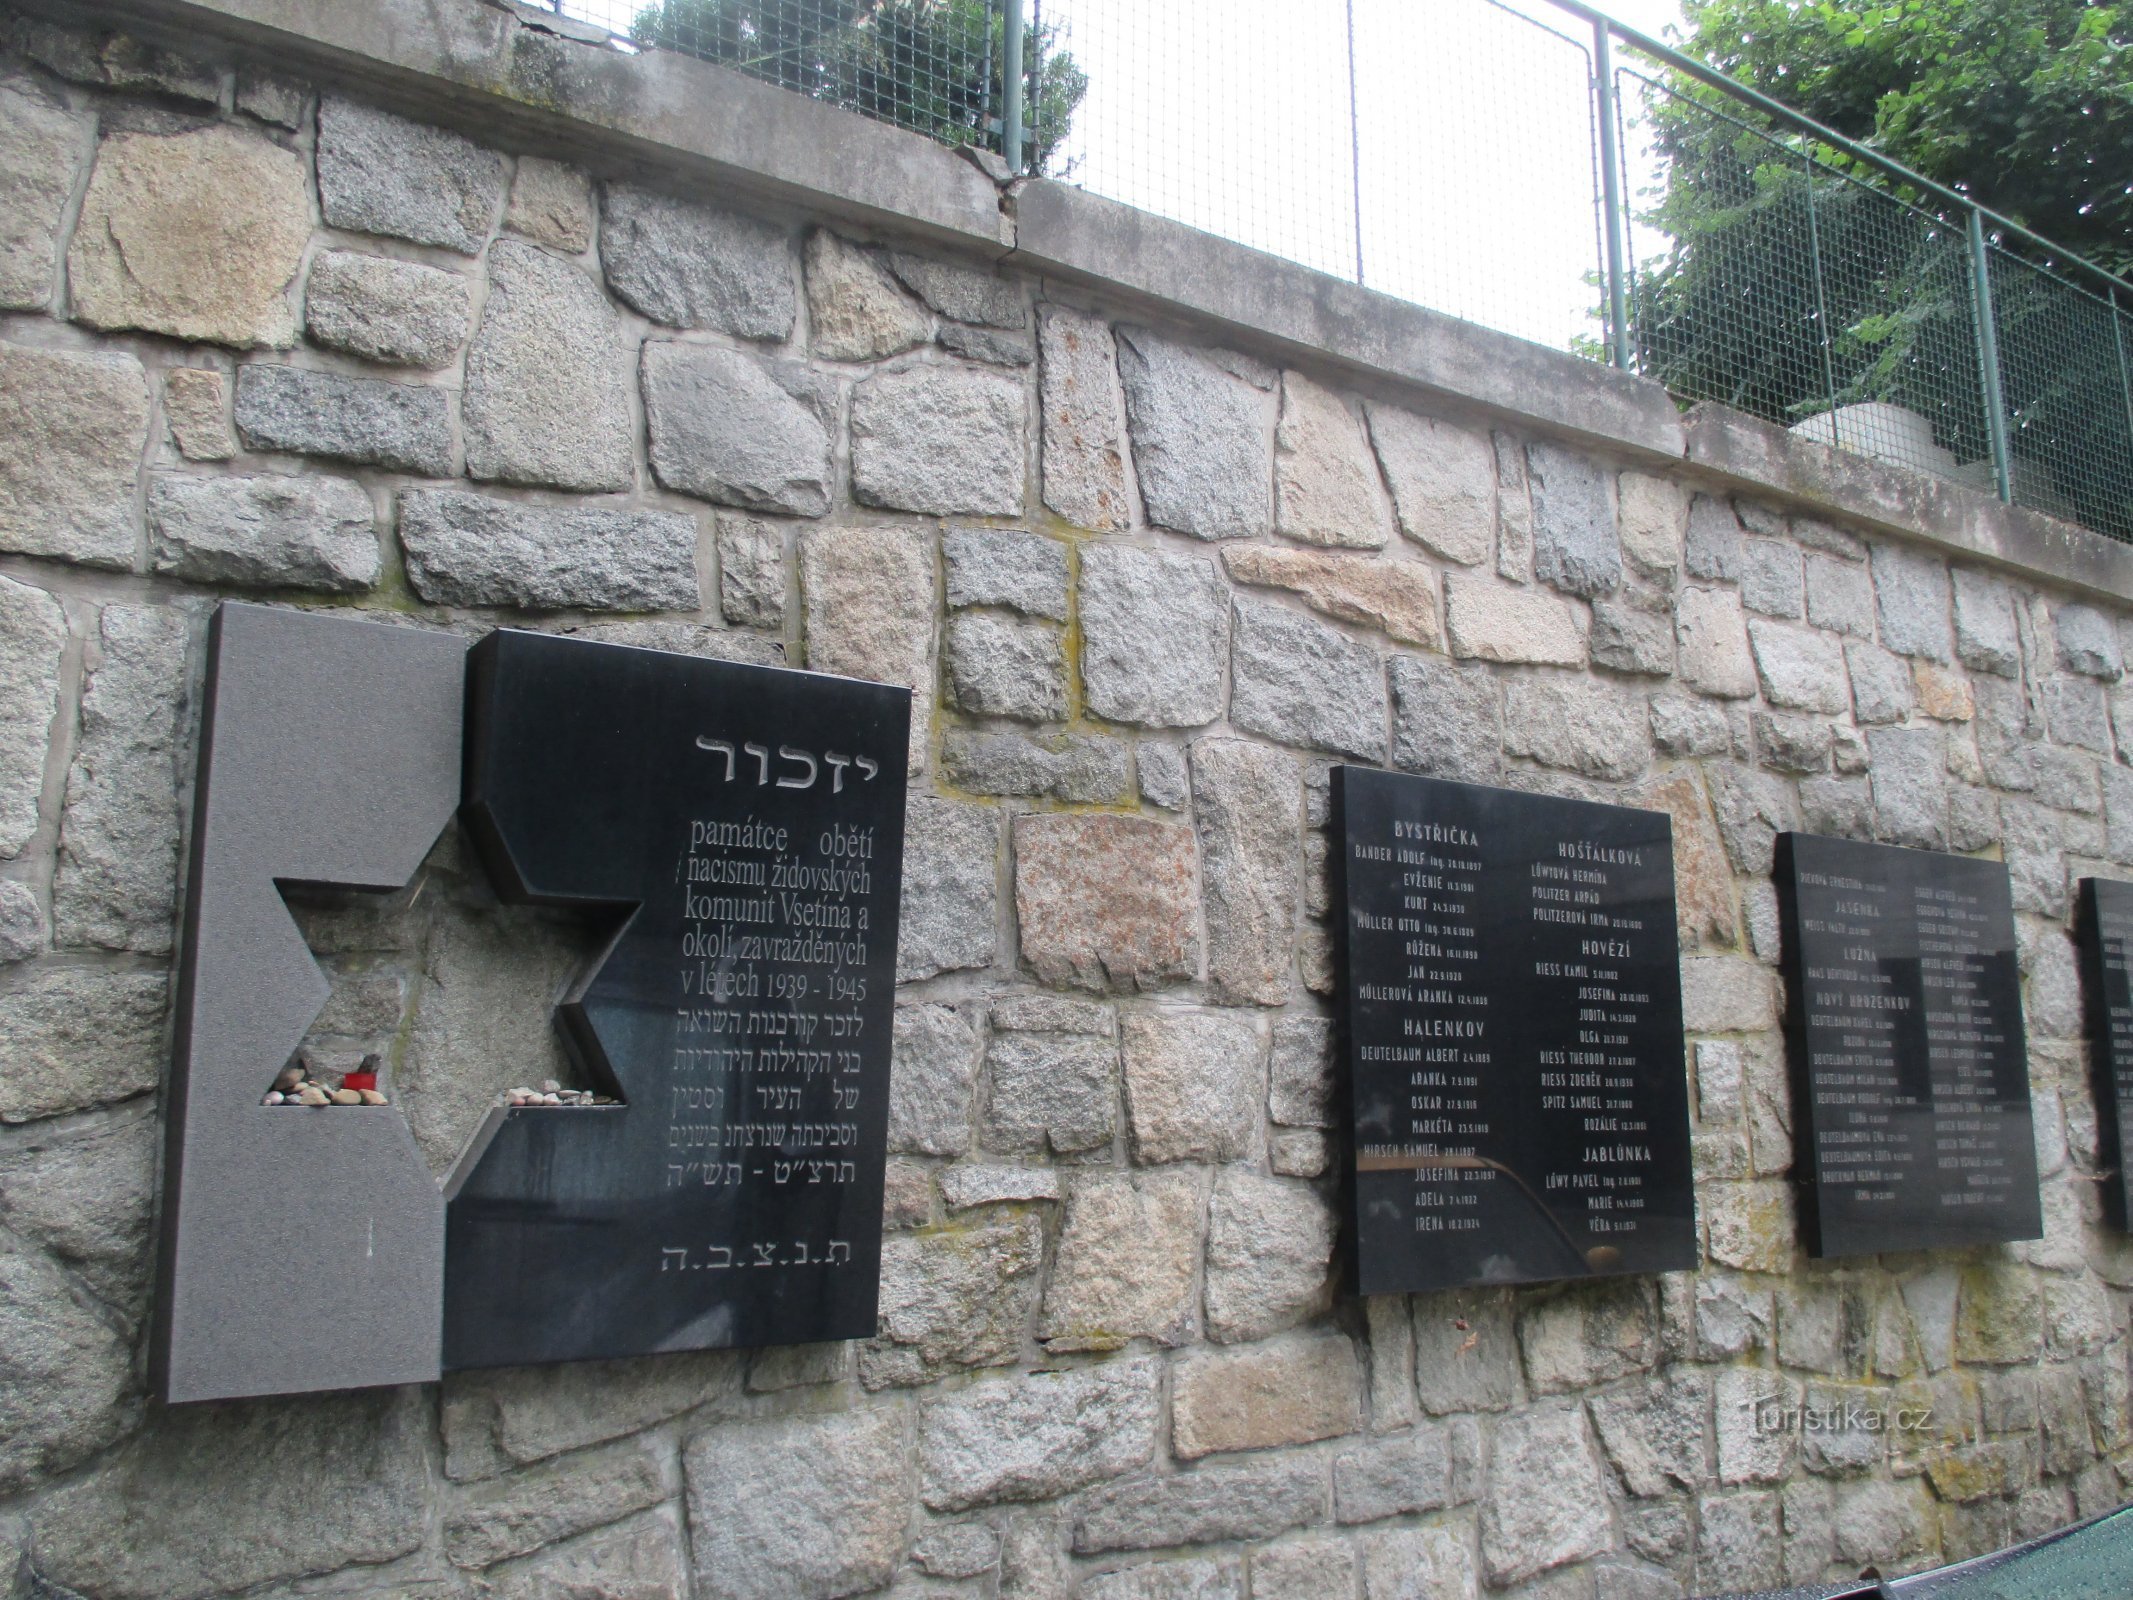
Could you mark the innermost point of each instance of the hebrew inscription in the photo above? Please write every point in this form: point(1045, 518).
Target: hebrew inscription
point(742, 828)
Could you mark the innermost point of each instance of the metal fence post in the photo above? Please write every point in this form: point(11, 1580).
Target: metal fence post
point(2125, 370)
point(1988, 356)
point(1011, 89)
point(1603, 80)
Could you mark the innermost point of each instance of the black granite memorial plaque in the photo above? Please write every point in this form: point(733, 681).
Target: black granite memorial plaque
point(1910, 1076)
point(1511, 996)
point(2106, 935)
point(743, 828)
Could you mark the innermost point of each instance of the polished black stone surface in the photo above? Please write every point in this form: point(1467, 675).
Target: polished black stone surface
point(1904, 1022)
point(2105, 927)
point(1511, 999)
point(742, 828)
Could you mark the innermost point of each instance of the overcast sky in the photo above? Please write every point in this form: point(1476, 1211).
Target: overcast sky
point(1470, 156)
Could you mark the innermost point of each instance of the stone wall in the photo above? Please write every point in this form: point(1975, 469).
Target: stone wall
point(266, 341)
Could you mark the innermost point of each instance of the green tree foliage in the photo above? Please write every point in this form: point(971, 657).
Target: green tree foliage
point(2025, 104)
point(932, 66)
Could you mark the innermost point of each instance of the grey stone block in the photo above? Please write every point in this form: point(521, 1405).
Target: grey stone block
point(1249, 807)
point(547, 397)
point(951, 891)
point(340, 1477)
point(1077, 768)
point(939, 439)
point(22, 930)
point(1792, 744)
point(296, 532)
point(1050, 1091)
point(1843, 808)
point(1084, 433)
point(500, 1518)
point(751, 572)
point(1003, 666)
point(986, 344)
point(1024, 572)
point(693, 266)
point(116, 887)
point(378, 173)
point(1911, 587)
point(1590, 727)
point(1686, 726)
point(74, 1037)
point(1910, 778)
point(1840, 596)
point(398, 312)
point(1033, 1436)
point(964, 293)
point(1986, 637)
point(1633, 634)
point(1202, 438)
point(1447, 720)
point(1269, 1249)
point(1155, 635)
point(1163, 776)
point(42, 142)
point(2078, 713)
point(1546, 1505)
point(471, 550)
point(33, 636)
point(1770, 578)
point(65, 1374)
point(1799, 667)
point(1304, 683)
point(932, 1078)
point(1576, 545)
point(399, 426)
point(1882, 687)
point(1443, 481)
point(2088, 642)
point(1253, 1500)
point(732, 429)
point(85, 1191)
point(1392, 1477)
point(950, 1299)
point(551, 204)
point(1300, 1072)
point(68, 464)
point(1713, 545)
point(855, 310)
point(280, 101)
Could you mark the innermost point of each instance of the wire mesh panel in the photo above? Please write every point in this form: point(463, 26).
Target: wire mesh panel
point(1479, 167)
point(1441, 153)
point(1772, 280)
point(1230, 115)
point(932, 66)
point(2064, 375)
